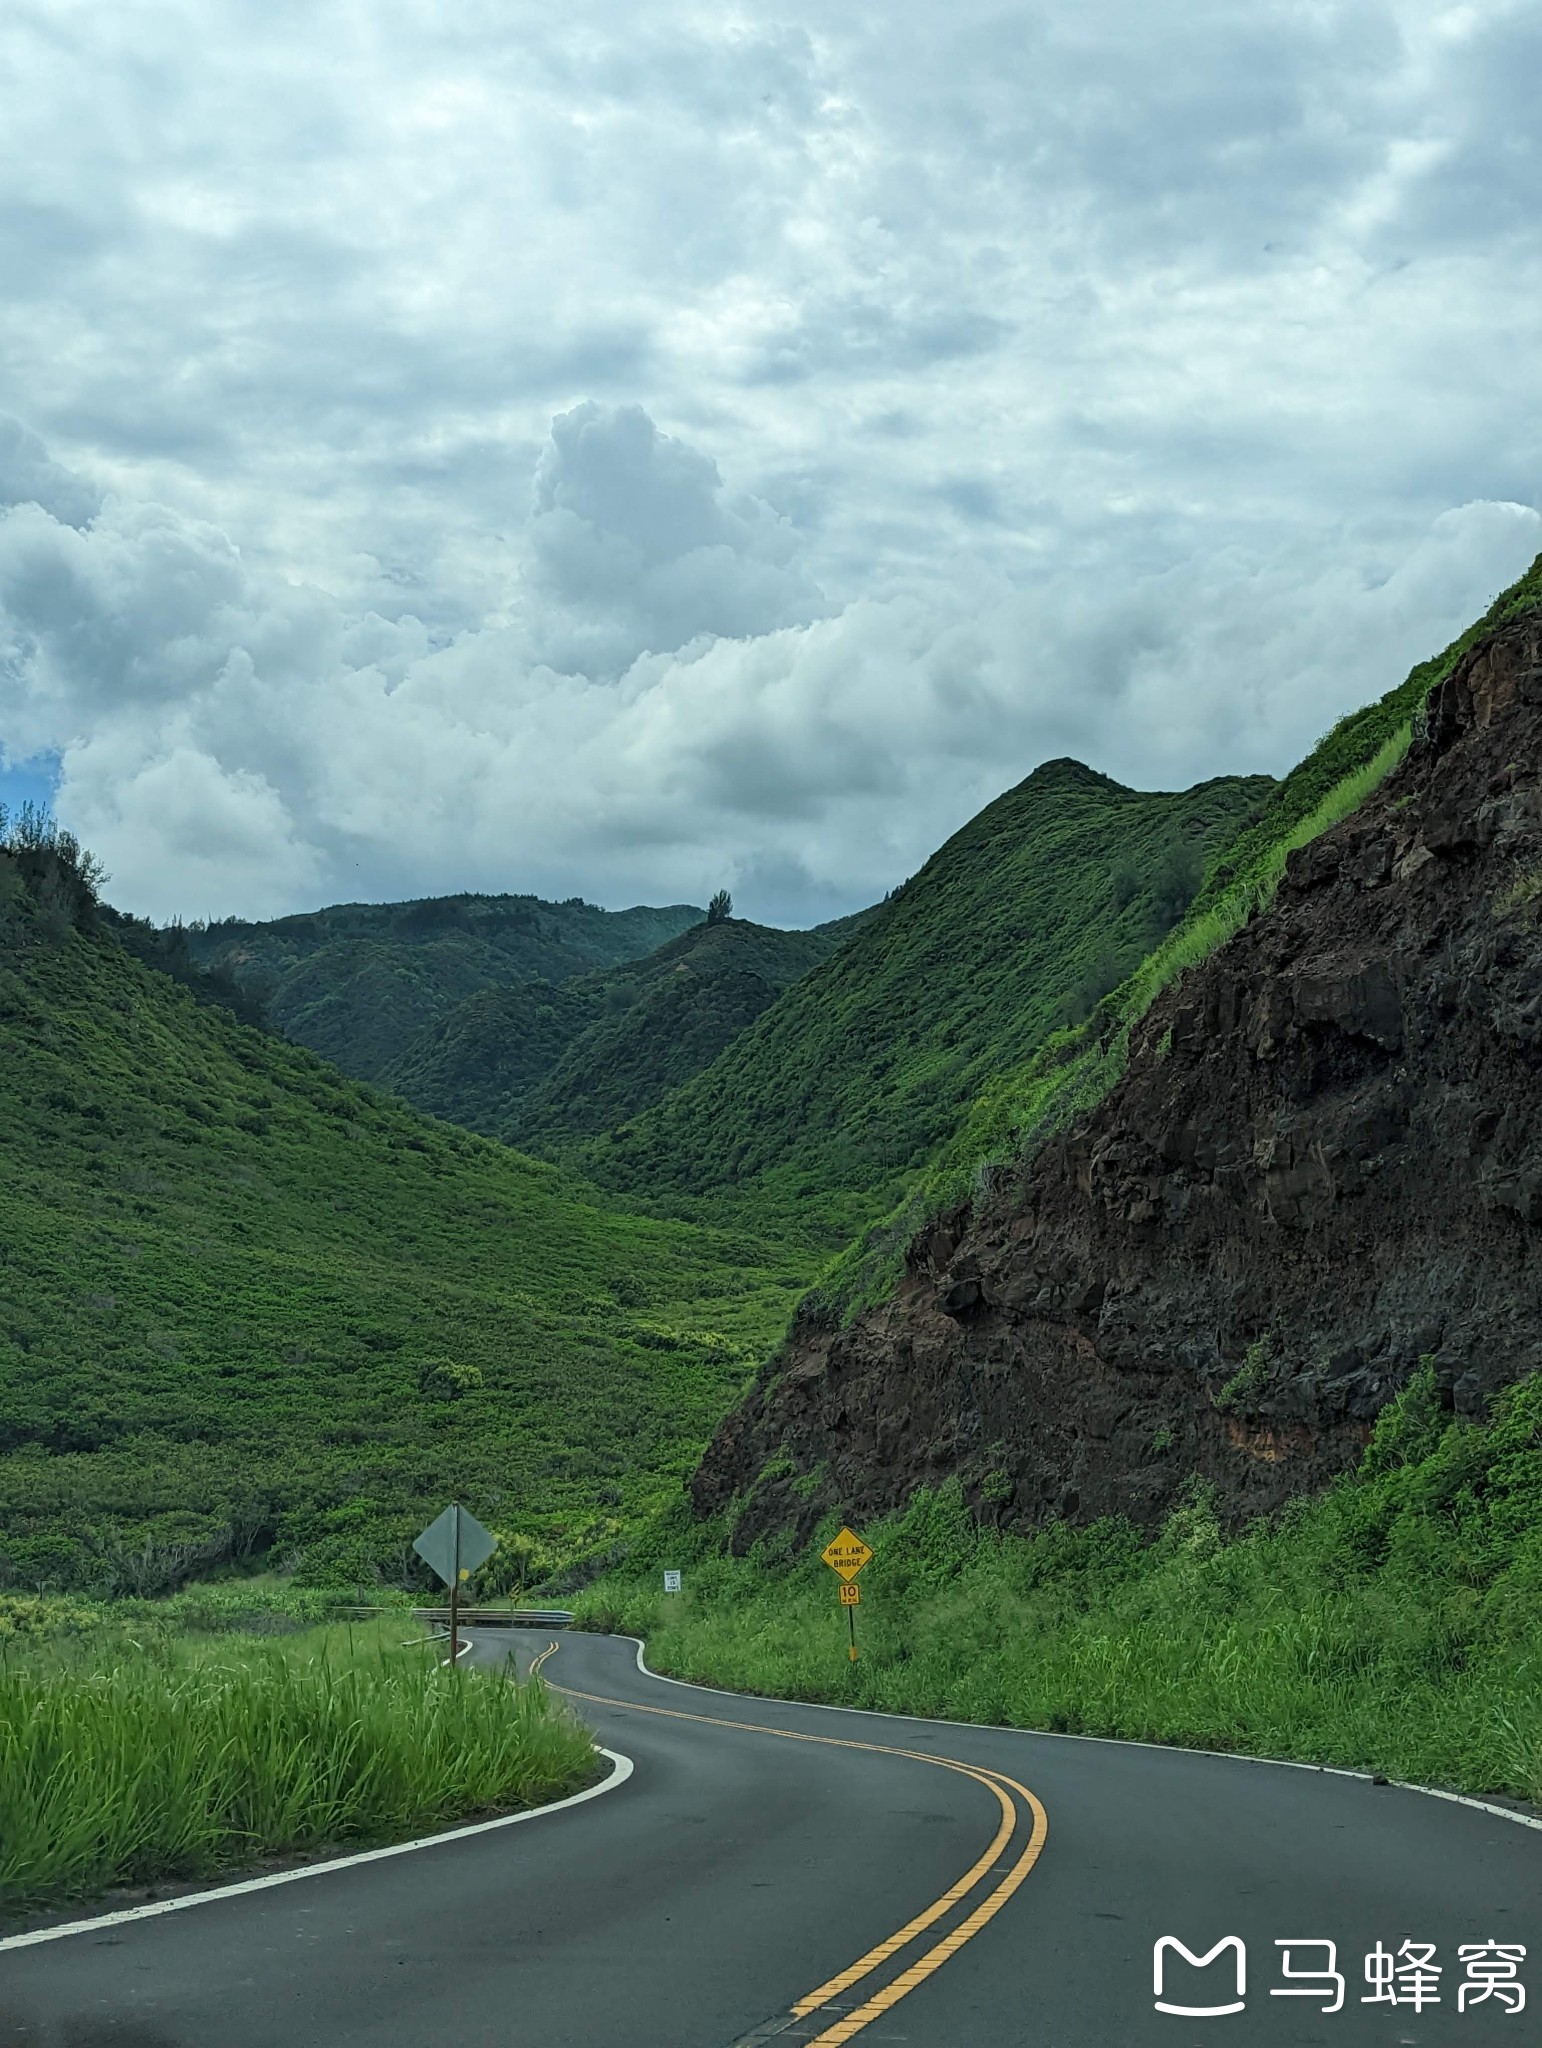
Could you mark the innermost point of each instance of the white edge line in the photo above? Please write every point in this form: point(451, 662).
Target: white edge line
point(621, 1770)
point(1234, 1756)
point(465, 1645)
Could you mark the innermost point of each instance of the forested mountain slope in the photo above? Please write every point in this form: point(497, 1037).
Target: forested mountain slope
point(537, 1065)
point(250, 1307)
point(358, 981)
point(843, 1090)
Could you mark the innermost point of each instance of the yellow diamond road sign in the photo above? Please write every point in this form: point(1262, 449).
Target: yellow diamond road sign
point(846, 1553)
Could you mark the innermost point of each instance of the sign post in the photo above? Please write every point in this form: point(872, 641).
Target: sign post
point(846, 1554)
point(453, 1546)
point(851, 1600)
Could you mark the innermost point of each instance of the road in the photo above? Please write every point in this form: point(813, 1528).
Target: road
point(776, 1872)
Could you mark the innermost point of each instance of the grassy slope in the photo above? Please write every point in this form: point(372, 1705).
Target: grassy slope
point(1388, 1625)
point(226, 1274)
point(358, 981)
point(1021, 1102)
point(536, 1064)
point(843, 1091)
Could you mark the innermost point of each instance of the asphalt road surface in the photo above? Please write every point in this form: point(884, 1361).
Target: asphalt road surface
point(772, 1872)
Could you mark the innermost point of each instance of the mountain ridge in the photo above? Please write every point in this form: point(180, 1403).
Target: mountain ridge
point(850, 1081)
point(357, 981)
point(541, 1064)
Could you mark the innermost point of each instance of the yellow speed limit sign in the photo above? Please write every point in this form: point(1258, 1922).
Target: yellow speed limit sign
point(851, 1594)
point(846, 1553)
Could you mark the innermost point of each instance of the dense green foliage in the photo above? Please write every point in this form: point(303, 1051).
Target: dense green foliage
point(168, 949)
point(537, 1065)
point(1390, 1624)
point(839, 1096)
point(180, 1759)
point(358, 982)
point(239, 1603)
point(248, 1306)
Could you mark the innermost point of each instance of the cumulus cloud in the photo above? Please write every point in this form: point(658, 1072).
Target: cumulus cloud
point(232, 742)
point(29, 477)
point(635, 547)
point(187, 833)
point(622, 455)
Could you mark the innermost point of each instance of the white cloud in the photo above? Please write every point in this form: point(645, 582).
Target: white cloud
point(634, 547)
point(186, 834)
point(28, 477)
point(232, 742)
point(613, 453)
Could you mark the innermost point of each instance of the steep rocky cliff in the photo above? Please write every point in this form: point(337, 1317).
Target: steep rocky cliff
point(1323, 1164)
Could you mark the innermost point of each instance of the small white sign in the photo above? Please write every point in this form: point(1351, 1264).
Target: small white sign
point(671, 1582)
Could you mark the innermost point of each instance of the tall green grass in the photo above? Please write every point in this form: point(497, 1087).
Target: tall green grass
point(161, 1760)
point(1389, 1624)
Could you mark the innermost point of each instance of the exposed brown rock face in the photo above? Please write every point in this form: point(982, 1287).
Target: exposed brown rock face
point(1323, 1163)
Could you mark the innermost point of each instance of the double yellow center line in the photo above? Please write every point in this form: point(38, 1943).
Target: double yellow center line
point(1007, 1790)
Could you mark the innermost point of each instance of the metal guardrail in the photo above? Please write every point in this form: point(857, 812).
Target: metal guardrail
point(479, 1617)
point(496, 1617)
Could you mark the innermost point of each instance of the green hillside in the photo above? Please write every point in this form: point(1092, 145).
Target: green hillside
point(536, 1065)
point(248, 1306)
point(475, 1065)
point(359, 981)
point(840, 1095)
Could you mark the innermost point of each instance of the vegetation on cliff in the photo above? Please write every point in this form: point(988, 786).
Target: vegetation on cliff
point(1020, 1103)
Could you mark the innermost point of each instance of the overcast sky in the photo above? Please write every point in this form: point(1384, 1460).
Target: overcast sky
point(618, 451)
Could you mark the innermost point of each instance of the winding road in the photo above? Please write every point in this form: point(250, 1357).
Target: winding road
point(770, 1872)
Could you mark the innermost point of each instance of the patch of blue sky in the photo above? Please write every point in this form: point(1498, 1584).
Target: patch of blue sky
point(33, 781)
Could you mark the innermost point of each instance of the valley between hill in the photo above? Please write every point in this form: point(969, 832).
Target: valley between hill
point(253, 1309)
point(257, 1310)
